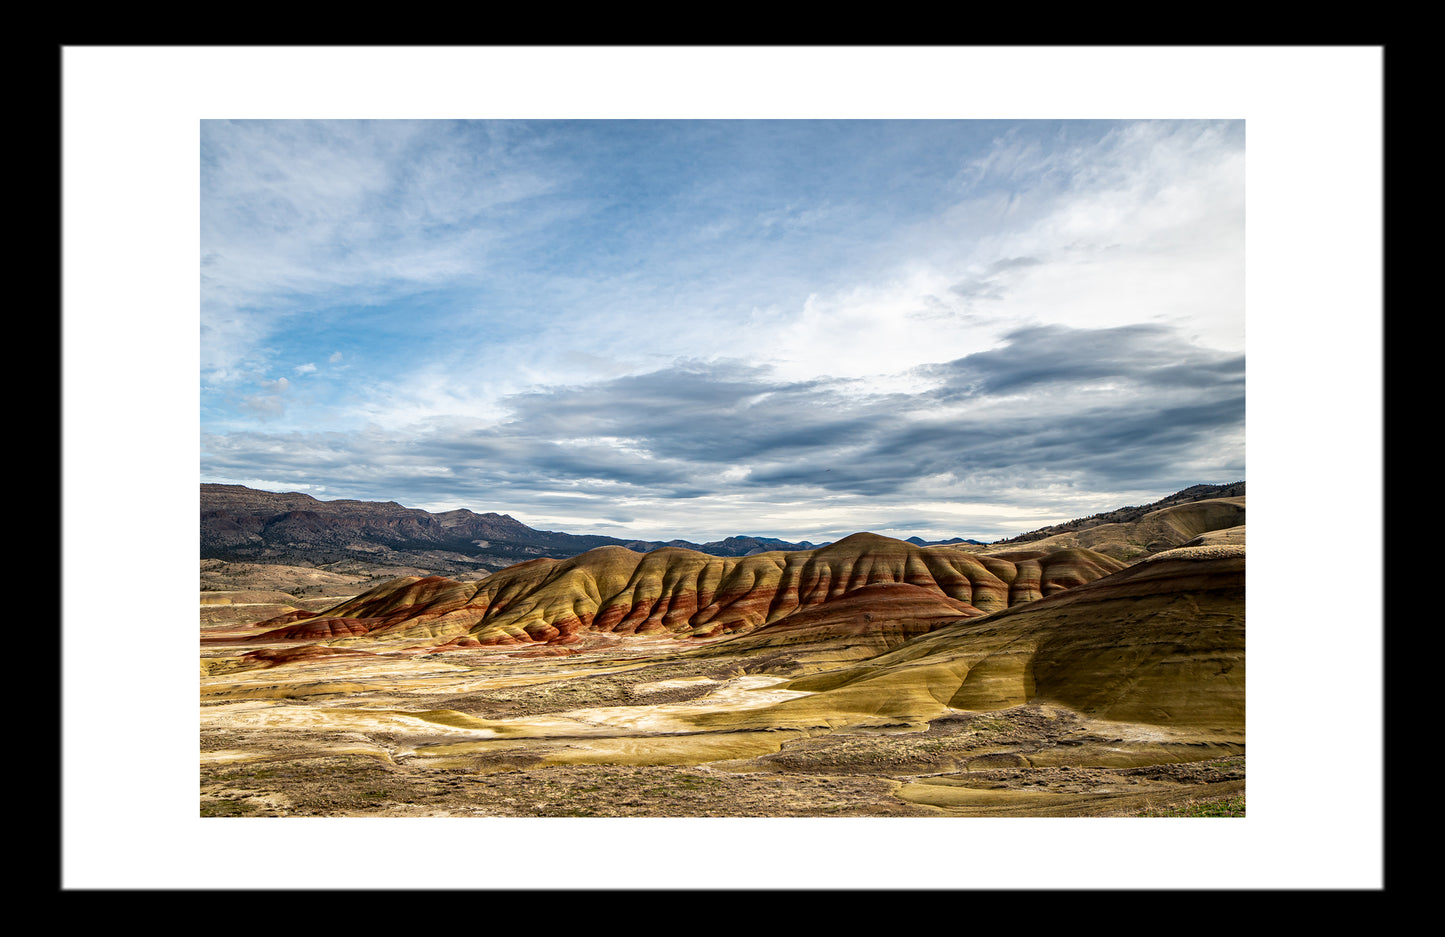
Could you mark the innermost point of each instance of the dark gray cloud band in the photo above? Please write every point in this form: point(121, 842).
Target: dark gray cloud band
point(1103, 409)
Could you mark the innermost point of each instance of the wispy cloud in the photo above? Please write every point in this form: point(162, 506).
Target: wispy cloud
point(1112, 410)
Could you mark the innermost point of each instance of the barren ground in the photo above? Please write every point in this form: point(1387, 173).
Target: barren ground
point(602, 733)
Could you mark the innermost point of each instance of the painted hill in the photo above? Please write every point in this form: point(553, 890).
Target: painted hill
point(686, 595)
point(1160, 642)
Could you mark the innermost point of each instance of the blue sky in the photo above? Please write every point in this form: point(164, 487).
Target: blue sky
point(697, 328)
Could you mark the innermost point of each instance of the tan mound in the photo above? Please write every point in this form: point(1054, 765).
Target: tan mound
point(1159, 642)
point(1159, 530)
point(247, 597)
point(235, 610)
point(1229, 536)
point(276, 657)
point(220, 575)
point(325, 628)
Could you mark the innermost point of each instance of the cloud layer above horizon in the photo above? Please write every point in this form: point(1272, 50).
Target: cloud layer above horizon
point(703, 328)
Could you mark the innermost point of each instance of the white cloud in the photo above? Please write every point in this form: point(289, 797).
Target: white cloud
point(268, 405)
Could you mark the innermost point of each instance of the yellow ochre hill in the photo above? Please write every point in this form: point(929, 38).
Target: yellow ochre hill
point(678, 593)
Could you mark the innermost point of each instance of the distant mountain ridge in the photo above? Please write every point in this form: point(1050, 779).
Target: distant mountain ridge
point(382, 538)
point(920, 542)
point(241, 524)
